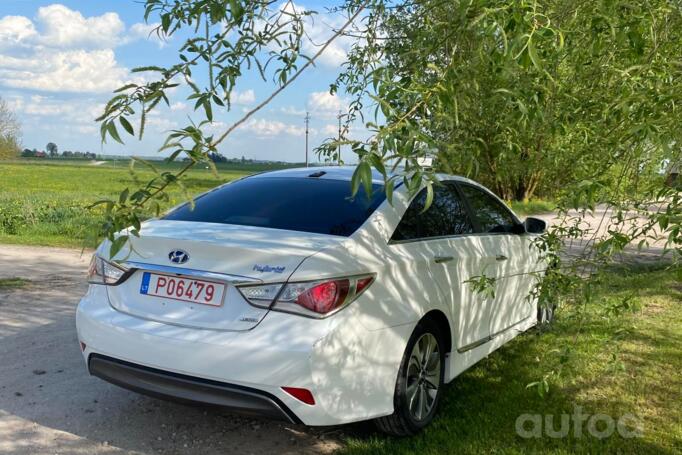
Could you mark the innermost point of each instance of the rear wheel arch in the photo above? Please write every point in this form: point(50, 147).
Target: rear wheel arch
point(420, 377)
point(442, 323)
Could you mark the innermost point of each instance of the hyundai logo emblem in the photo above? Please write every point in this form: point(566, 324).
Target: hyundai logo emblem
point(178, 256)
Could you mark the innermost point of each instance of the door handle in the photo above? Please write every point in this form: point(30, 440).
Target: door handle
point(501, 257)
point(442, 259)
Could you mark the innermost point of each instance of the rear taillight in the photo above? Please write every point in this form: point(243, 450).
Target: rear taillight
point(303, 395)
point(320, 297)
point(308, 298)
point(102, 271)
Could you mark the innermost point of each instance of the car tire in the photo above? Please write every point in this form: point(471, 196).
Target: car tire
point(415, 401)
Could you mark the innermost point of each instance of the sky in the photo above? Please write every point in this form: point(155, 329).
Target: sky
point(60, 62)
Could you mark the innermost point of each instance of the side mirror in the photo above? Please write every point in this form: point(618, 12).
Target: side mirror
point(535, 225)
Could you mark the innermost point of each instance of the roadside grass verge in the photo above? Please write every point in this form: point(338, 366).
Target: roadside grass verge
point(628, 364)
point(12, 283)
point(532, 207)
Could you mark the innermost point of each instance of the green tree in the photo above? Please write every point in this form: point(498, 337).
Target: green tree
point(525, 96)
point(52, 149)
point(10, 132)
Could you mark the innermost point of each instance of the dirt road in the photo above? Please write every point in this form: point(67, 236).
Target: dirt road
point(50, 405)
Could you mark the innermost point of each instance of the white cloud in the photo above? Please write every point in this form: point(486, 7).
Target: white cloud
point(161, 124)
point(246, 97)
point(77, 115)
point(270, 128)
point(70, 71)
point(325, 104)
point(291, 110)
point(63, 51)
point(66, 28)
point(179, 106)
point(15, 30)
point(331, 130)
point(145, 32)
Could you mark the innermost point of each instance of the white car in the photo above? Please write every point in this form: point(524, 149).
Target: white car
point(281, 296)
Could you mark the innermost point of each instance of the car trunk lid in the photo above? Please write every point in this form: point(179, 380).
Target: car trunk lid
point(226, 255)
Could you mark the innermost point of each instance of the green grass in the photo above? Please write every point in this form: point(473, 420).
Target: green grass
point(11, 283)
point(44, 203)
point(480, 407)
point(532, 207)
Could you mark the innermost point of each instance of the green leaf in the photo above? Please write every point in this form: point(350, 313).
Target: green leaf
point(123, 197)
point(127, 126)
point(366, 177)
point(103, 132)
point(208, 109)
point(113, 132)
point(124, 88)
point(116, 246)
point(390, 185)
point(429, 197)
point(532, 53)
point(355, 181)
point(143, 121)
point(141, 69)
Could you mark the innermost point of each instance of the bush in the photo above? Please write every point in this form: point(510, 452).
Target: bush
point(67, 217)
point(9, 147)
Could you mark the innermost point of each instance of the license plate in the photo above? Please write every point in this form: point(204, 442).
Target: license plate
point(183, 289)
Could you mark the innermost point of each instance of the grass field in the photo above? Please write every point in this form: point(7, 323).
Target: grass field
point(481, 406)
point(532, 207)
point(44, 203)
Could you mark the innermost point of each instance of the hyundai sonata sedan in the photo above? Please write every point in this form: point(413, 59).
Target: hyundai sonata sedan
point(281, 295)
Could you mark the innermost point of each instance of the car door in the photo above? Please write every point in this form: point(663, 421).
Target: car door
point(443, 233)
point(502, 242)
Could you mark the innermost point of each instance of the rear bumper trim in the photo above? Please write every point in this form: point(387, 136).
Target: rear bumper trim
point(188, 389)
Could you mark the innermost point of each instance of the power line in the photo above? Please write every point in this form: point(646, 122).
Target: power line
point(307, 124)
point(340, 116)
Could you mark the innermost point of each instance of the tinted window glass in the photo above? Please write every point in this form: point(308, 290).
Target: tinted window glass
point(446, 216)
point(298, 204)
point(491, 214)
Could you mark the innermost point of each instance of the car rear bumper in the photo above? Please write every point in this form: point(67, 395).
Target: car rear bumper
point(188, 389)
point(350, 371)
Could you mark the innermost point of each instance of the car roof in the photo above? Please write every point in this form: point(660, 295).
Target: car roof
point(320, 172)
point(339, 173)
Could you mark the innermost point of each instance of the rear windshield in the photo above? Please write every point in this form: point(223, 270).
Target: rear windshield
point(297, 204)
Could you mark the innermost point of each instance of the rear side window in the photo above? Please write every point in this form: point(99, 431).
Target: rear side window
point(297, 204)
point(491, 214)
point(446, 216)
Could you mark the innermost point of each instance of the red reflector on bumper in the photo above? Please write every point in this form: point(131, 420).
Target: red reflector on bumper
point(303, 395)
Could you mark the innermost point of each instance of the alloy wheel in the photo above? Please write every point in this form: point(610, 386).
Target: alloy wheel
point(423, 377)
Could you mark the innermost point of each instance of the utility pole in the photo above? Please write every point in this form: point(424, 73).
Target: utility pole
point(307, 124)
point(339, 152)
